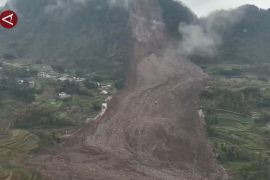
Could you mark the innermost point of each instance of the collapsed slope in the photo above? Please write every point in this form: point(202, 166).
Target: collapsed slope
point(152, 129)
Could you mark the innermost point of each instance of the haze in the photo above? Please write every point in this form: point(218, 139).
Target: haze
point(207, 6)
point(2, 2)
point(203, 9)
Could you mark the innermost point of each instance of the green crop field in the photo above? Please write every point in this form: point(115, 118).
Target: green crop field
point(15, 145)
point(238, 122)
point(34, 117)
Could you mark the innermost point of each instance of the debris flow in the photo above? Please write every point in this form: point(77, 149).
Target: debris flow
point(151, 130)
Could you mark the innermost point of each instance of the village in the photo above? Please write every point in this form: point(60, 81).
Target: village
point(43, 97)
point(46, 72)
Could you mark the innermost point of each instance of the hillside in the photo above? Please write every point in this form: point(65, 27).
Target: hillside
point(56, 71)
point(248, 40)
point(134, 89)
point(151, 129)
point(236, 97)
point(244, 32)
point(90, 35)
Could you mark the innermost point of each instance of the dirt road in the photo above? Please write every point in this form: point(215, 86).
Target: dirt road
point(151, 130)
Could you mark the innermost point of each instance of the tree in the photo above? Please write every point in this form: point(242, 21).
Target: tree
point(58, 68)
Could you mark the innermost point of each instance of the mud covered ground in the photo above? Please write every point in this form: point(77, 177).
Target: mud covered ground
point(151, 130)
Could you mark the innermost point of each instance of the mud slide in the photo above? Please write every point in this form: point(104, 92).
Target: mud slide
point(151, 130)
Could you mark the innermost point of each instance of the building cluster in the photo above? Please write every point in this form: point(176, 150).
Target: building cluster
point(60, 77)
point(105, 89)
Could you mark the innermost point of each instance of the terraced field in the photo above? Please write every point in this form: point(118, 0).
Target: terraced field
point(236, 109)
point(14, 146)
point(33, 117)
point(8, 109)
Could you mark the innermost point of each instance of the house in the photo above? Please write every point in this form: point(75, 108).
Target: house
point(77, 79)
point(20, 81)
point(63, 78)
point(104, 92)
point(104, 106)
point(41, 74)
point(44, 75)
point(105, 89)
point(31, 83)
point(64, 95)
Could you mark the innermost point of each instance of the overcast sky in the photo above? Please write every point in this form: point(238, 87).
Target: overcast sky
point(204, 7)
point(2, 2)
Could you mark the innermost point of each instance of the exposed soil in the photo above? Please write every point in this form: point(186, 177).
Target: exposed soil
point(151, 130)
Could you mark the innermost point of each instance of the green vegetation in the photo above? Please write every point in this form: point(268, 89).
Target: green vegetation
point(236, 101)
point(236, 106)
point(39, 105)
point(51, 81)
point(15, 145)
point(244, 42)
point(96, 40)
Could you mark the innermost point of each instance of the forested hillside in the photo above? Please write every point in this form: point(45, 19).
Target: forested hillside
point(236, 97)
point(246, 38)
point(92, 35)
point(57, 68)
point(63, 64)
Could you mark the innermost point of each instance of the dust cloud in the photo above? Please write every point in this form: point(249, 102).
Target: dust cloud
point(204, 37)
point(197, 41)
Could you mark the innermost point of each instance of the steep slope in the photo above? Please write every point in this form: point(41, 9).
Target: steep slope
point(236, 99)
point(152, 129)
point(248, 40)
point(91, 35)
point(174, 13)
point(245, 40)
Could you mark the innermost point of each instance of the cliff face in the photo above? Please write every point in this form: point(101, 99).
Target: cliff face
point(152, 129)
point(87, 34)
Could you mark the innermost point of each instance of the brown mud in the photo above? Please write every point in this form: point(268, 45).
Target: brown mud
point(151, 130)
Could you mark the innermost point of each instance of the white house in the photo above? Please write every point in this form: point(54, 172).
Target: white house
point(104, 92)
point(64, 95)
point(20, 81)
point(63, 78)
